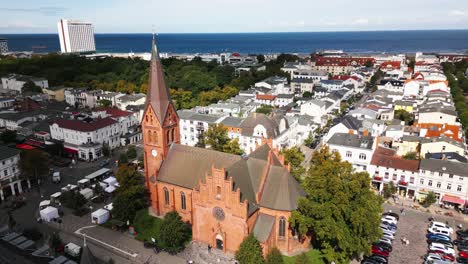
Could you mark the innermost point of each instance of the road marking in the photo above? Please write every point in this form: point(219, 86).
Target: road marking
point(134, 255)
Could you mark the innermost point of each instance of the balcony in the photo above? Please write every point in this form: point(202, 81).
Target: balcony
point(403, 183)
point(377, 178)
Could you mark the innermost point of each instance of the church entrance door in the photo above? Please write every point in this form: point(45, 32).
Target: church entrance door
point(219, 242)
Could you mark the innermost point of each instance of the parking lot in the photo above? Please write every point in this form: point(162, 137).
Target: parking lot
point(413, 226)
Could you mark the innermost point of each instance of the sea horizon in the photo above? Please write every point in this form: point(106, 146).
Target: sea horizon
point(375, 41)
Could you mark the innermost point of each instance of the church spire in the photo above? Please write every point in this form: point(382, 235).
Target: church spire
point(158, 95)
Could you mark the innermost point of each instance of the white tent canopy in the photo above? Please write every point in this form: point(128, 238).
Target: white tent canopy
point(100, 216)
point(110, 189)
point(49, 213)
point(111, 181)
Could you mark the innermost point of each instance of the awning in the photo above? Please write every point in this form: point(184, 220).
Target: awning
point(69, 150)
point(453, 199)
point(24, 146)
point(110, 189)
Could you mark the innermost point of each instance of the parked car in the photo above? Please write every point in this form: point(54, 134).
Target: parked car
point(462, 232)
point(383, 245)
point(435, 240)
point(463, 247)
point(441, 226)
point(432, 256)
point(462, 260)
point(380, 252)
point(444, 248)
point(389, 219)
point(387, 229)
point(389, 224)
point(378, 259)
point(442, 231)
point(460, 242)
point(397, 217)
point(438, 236)
point(388, 235)
point(386, 240)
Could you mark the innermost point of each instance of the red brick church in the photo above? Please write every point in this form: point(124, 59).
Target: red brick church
point(224, 197)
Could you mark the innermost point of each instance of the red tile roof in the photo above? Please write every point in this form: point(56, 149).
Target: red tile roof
point(418, 76)
point(84, 126)
point(115, 112)
point(266, 97)
point(437, 130)
point(382, 159)
point(391, 64)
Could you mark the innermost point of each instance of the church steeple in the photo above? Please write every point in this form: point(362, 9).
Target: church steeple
point(158, 94)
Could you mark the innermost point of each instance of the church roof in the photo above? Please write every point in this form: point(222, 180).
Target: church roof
point(281, 191)
point(87, 256)
point(263, 226)
point(158, 94)
point(185, 165)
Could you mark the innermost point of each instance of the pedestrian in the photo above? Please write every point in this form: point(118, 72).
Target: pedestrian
point(209, 248)
point(401, 210)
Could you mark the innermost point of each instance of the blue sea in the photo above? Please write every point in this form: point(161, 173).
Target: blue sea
point(254, 43)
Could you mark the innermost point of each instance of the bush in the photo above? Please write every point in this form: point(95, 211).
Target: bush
point(73, 200)
point(123, 158)
point(32, 233)
point(250, 251)
point(131, 152)
point(429, 200)
point(146, 226)
point(302, 259)
point(274, 257)
point(173, 233)
point(389, 190)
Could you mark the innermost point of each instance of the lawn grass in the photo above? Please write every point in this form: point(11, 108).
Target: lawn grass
point(315, 257)
point(146, 226)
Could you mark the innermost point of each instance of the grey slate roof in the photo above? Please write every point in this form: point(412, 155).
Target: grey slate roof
point(191, 115)
point(351, 122)
point(444, 139)
point(286, 96)
point(445, 110)
point(232, 121)
point(316, 102)
point(271, 124)
point(351, 140)
point(263, 226)
point(302, 80)
point(6, 152)
point(447, 155)
point(445, 166)
point(392, 82)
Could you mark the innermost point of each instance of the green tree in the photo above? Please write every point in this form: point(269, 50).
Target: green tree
point(429, 200)
point(8, 136)
point(131, 152)
point(131, 196)
point(250, 251)
point(123, 158)
point(217, 137)
point(174, 233)
point(307, 94)
point(389, 190)
point(31, 87)
point(105, 150)
point(55, 241)
point(294, 157)
point(274, 257)
point(264, 109)
point(233, 147)
point(340, 210)
point(369, 64)
point(105, 103)
point(302, 259)
point(404, 116)
point(411, 155)
point(309, 140)
point(34, 165)
point(261, 58)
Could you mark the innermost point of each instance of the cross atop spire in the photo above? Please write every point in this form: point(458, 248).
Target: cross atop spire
point(158, 95)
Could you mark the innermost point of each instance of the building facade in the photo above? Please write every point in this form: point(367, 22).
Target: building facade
point(10, 182)
point(3, 45)
point(76, 36)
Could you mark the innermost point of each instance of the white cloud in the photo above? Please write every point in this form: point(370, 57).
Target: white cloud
point(457, 13)
point(360, 21)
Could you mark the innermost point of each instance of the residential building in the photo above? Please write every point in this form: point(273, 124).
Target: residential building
point(332, 85)
point(10, 181)
point(284, 100)
point(3, 45)
point(356, 149)
point(15, 82)
point(302, 85)
point(6, 103)
point(130, 99)
point(407, 144)
point(440, 145)
point(391, 85)
point(193, 125)
point(85, 138)
point(349, 124)
point(223, 196)
point(385, 167)
point(316, 109)
point(437, 115)
point(447, 179)
point(15, 120)
point(56, 93)
point(76, 36)
point(111, 97)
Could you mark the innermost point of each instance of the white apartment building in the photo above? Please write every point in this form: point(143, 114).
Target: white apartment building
point(316, 109)
point(76, 36)
point(10, 183)
point(332, 85)
point(15, 82)
point(6, 103)
point(437, 115)
point(386, 168)
point(447, 179)
point(130, 99)
point(193, 125)
point(82, 98)
point(301, 85)
point(356, 149)
point(85, 138)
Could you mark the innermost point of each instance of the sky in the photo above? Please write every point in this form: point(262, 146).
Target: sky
point(222, 16)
